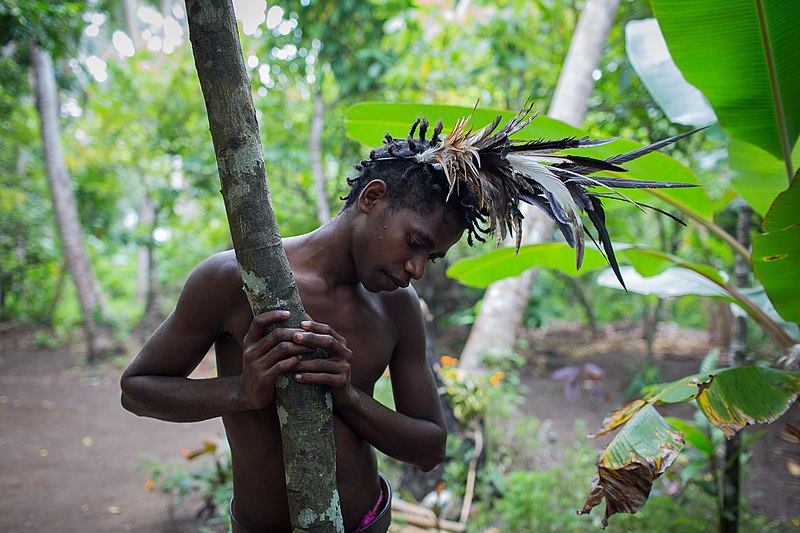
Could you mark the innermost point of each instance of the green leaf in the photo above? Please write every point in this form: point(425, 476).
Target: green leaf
point(501, 263)
point(746, 395)
point(749, 68)
point(776, 253)
point(693, 435)
point(636, 457)
point(670, 283)
point(681, 390)
point(755, 174)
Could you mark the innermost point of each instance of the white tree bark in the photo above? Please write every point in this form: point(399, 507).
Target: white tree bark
point(99, 339)
point(497, 325)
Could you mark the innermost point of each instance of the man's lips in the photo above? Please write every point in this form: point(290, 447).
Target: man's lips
point(398, 282)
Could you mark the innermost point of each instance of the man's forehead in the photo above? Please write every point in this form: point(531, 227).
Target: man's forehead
point(437, 230)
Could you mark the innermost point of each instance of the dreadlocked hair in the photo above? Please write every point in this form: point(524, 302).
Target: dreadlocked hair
point(416, 185)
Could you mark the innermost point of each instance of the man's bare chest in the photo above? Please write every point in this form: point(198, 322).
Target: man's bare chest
point(369, 331)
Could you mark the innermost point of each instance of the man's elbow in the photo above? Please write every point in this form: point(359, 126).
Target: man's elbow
point(435, 454)
point(127, 396)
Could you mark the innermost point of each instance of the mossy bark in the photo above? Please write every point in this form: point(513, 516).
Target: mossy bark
point(305, 411)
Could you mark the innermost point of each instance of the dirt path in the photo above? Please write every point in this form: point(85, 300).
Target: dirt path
point(70, 454)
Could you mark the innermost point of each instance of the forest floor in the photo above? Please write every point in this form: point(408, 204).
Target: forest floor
point(71, 457)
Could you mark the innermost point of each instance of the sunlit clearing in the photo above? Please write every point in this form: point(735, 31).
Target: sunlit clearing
point(92, 30)
point(264, 75)
point(287, 26)
point(72, 109)
point(274, 17)
point(130, 219)
point(173, 35)
point(285, 53)
point(97, 19)
point(123, 44)
point(150, 16)
point(97, 68)
point(161, 234)
point(250, 13)
point(252, 61)
point(154, 44)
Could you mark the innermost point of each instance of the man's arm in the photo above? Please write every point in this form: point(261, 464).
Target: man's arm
point(416, 433)
point(156, 384)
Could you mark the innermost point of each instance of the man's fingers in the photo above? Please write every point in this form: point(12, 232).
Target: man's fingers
point(262, 322)
point(323, 329)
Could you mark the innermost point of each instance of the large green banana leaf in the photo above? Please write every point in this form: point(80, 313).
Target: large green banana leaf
point(647, 444)
point(368, 122)
point(483, 270)
point(744, 57)
point(776, 253)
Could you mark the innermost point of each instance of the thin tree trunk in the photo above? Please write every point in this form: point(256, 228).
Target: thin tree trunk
point(731, 473)
point(315, 151)
point(132, 23)
point(99, 336)
point(304, 411)
point(497, 325)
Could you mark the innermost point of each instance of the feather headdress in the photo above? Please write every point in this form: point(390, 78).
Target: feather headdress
point(501, 172)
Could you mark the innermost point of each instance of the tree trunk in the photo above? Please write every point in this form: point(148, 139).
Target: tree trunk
point(315, 151)
point(496, 327)
point(130, 7)
point(99, 336)
point(731, 470)
point(305, 411)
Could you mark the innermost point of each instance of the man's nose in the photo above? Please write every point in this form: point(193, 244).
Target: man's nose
point(415, 267)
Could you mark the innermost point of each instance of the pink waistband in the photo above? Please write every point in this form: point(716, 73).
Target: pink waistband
point(372, 514)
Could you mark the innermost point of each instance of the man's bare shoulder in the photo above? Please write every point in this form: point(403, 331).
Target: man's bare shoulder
point(217, 280)
point(402, 307)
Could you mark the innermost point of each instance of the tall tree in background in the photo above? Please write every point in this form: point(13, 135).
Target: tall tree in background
point(38, 30)
point(496, 326)
point(307, 429)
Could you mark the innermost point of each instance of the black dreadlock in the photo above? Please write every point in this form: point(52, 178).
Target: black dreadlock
point(414, 185)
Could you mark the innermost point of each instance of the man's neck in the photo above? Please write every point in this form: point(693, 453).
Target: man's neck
point(326, 253)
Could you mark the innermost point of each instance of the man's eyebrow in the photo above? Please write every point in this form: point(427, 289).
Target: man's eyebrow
point(428, 240)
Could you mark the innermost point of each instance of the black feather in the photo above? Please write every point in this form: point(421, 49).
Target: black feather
point(598, 218)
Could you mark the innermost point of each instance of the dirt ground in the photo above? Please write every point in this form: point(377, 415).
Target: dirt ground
point(70, 455)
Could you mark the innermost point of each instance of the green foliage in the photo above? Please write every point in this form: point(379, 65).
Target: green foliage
point(54, 25)
point(776, 259)
point(753, 41)
point(206, 476)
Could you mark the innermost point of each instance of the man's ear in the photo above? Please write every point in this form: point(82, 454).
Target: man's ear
point(371, 195)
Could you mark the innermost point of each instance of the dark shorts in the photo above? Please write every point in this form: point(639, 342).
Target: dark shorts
point(380, 524)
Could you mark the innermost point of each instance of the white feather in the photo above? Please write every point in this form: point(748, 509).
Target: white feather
point(551, 183)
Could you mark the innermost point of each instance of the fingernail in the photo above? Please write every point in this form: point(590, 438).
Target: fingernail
point(285, 314)
point(298, 336)
point(305, 324)
point(298, 377)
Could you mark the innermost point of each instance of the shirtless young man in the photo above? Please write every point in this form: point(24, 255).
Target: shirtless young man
point(353, 275)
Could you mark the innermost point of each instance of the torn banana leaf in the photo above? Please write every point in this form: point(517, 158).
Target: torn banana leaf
point(681, 390)
point(747, 395)
point(637, 456)
point(647, 444)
